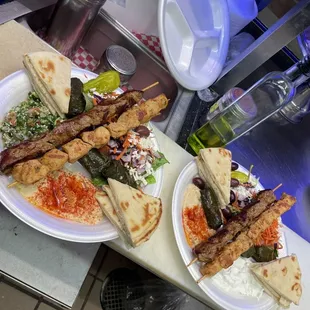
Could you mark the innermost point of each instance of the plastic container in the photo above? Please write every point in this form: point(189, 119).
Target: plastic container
point(237, 45)
point(194, 37)
point(241, 12)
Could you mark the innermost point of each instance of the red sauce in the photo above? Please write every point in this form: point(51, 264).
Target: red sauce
point(195, 225)
point(67, 195)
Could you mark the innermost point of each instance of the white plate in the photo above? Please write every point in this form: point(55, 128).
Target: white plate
point(13, 90)
point(221, 297)
point(194, 37)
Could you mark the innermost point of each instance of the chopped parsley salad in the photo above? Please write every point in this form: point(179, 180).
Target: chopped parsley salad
point(27, 120)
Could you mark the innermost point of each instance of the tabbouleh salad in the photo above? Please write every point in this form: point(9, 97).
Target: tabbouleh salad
point(27, 120)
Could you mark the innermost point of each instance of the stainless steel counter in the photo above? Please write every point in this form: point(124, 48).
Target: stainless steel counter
point(106, 31)
point(15, 9)
point(49, 266)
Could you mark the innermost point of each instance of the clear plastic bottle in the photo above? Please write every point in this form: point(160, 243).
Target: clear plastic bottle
point(266, 97)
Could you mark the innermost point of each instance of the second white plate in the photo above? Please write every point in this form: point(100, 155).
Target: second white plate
point(221, 297)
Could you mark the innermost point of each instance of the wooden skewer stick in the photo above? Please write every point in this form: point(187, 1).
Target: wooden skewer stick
point(277, 187)
point(12, 184)
point(150, 86)
point(194, 260)
point(250, 171)
point(201, 279)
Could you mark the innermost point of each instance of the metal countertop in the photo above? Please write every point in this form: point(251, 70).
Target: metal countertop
point(52, 267)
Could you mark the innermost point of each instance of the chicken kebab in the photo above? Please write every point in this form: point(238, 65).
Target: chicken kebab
point(31, 171)
point(241, 239)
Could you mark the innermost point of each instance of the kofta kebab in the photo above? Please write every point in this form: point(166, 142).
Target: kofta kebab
point(32, 160)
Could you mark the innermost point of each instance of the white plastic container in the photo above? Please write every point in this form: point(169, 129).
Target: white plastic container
point(194, 37)
point(241, 12)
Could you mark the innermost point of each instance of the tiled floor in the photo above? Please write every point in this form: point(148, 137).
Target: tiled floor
point(13, 297)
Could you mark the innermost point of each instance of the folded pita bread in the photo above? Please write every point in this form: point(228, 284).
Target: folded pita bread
point(214, 164)
point(50, 75)
point(108, 209)
point(138, 213)
point(272, 293)
point(204, 175)
point(281, 278)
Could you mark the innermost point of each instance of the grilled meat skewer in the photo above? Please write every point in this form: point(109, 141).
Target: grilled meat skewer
point(33, 170)
point(77, 148)
point(137, 115)
point(247, 237)
point(30, 171)
point(207, 250)
point(67, 131)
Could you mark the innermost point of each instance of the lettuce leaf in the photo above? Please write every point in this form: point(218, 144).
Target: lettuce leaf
point(158, 162)
point(99, 181)
point(89, 102)
point(150, 179)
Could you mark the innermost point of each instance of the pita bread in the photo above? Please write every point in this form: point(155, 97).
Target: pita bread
point(138, 213)
point(272, 293)
point(50, 75)
point(282, 279)
point(215, 164)
point(39, 88)
point(107, 207)
point(204, 175)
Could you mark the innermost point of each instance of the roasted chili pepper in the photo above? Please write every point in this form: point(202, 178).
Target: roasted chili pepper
point(104, 83)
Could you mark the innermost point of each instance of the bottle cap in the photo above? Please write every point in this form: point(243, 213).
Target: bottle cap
point(121, 59)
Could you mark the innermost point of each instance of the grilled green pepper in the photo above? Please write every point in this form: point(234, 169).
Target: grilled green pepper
point(77, 101)
point(210, 207)
point(104, 83)
point(100, 181)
